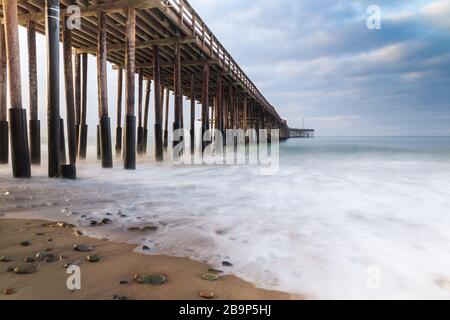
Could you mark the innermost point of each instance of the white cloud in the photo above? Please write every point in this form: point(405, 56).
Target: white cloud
point(438, 13)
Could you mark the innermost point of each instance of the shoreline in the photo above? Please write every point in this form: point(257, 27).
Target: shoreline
point(112, 276)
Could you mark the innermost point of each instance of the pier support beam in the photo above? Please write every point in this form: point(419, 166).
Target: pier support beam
point(166, 120)
point(119, 112)
point(140, 130)
point(219, 103)
point(20, 153)
point(158, 105)
point(192, 122)
point(178, 89)
point(53, 115)
point(105, 125)
point(148, 91)
point(70, 98)
point(4, 135)
point(77, 96)
point(82, 142)
point(205, 102)
point(35, 126)
point(129, 153)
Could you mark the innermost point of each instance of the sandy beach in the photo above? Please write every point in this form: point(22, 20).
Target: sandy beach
point(112, 276)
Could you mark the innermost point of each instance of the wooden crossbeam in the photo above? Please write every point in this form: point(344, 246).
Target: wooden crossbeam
point(184, 63)
point(139, 45)
point(112, 7)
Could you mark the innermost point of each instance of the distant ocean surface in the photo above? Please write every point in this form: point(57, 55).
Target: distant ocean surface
point(344, 218)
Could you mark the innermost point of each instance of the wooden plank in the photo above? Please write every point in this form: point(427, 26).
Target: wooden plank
point(140, 45)
point(113, 7)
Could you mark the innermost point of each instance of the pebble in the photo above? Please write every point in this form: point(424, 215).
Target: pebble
point(25, 269)
point(214, 270)
point(210, 277)
point(9, 291)
point(82, 248)
point(154, 279)
point(26, 243)
point(78, 233)
point(50, 258)
point(117, 297)
point(227, 264)
point(150, 228)
point(93, 223)
point(5, 259)
point(207, 294)
point(29, 259)
point(93, 258)
point(74, 263)
point(145, 248)
point(41, 255)
point(124, 282)
point(106, 221)
point(40, 234)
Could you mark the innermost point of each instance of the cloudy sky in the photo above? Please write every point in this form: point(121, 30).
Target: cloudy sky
point(316, 59)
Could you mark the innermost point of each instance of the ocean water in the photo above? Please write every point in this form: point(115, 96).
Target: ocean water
point(344, 218)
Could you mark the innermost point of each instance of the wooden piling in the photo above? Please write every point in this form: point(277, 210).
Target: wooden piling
point(34, 123)
point(192, 120)
point(82, 141)
point(20, 154)
point(219, 103)
point(158, 105)
point(119, 112)
point(205, 102)
point(69, 89)
point(178, 89)
point(53, 115)
point(102, 77)
point(166, 120)
point(148, 91)
point(130, 122)
point(140, 130)
point(77, 95)
point(4, 135)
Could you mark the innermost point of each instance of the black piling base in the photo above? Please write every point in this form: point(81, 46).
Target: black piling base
point(192, 134)
point(20, 154)
point(77, 128)
point(68, 171)
point(35, 142)
point(82, 148)
point(4, 143)
point(140, 140)
point(62, 143)
point(118, 141)
point(166, 139)
point(99, 149)
point(159, 149)
point(105, 140)
point(145, 141)
point(129, 147)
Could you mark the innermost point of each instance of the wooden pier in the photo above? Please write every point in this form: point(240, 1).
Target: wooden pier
point(165, 42)
point(301, 133)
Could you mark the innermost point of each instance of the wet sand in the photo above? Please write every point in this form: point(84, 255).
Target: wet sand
point(102, 279)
